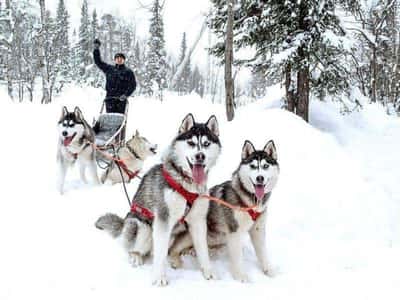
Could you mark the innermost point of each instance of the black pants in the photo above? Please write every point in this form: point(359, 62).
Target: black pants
point(114, 105)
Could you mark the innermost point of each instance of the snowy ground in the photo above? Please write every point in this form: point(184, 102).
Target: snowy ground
point(333, 228)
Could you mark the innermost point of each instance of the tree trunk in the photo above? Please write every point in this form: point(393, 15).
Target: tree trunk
point(42, 60)
point(303, 88)
point(303, 73)
point(229, 88)
point(289, 87)
point(374, 76)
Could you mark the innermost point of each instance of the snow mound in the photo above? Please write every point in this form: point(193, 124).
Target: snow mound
point(333, 218)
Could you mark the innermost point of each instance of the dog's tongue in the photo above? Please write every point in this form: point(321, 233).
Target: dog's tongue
point(259, 189)
point(68, 140)
point(198, 173)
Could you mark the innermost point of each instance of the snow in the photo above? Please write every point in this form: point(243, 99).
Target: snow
point(332, 233)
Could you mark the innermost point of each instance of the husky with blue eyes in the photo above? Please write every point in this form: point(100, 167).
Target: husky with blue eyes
point(75, 145)
point(250, 188)
point(169, 201)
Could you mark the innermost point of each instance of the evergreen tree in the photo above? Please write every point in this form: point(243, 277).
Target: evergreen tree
point(84, 50)
point(183, 83)
point(302, 40)
point(156, 66)
point(63, 46)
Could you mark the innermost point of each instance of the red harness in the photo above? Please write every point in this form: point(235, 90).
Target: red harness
point(253, 214)
point(189, 197)
point(126, 170)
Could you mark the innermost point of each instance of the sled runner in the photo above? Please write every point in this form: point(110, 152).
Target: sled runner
point(110, 128)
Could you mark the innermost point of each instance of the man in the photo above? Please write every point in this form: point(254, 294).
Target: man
point(120, 80)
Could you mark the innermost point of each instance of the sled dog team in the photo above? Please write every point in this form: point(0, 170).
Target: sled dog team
point(173, 212)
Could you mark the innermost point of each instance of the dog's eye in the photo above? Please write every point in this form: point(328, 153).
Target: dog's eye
point(266, 166)
point(253, 167)
point(206, 144)
point(191, 143)
point(71, 125)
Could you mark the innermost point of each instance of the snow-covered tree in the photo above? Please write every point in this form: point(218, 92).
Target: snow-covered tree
point(62, 43)
point(303, 40)
point(156, 66)
point(184, 80)
point(84, 49)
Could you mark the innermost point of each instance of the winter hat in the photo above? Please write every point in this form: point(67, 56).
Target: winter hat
point(119, 55)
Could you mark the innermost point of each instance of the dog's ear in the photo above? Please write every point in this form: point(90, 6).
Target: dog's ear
point(247, 150)
point(78, 114)
point(187, 124)
point(212, 124)
point(136, 133)
point(271, 149)
point(64, 112)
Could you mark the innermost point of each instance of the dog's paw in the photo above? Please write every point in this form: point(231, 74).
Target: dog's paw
point(268, 271)
point(160, 281)
point(189, 252)
point(176, 261)
point(240, 276)
point(135, 259)
point(209, 274)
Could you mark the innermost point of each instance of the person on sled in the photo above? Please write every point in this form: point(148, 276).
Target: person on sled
point(120, 80)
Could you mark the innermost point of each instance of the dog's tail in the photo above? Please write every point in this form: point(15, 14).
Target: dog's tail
point(111, 223)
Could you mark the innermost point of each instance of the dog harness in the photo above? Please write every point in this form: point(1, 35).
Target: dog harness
point(189, 197)
point(124, 167)
point(253, 214)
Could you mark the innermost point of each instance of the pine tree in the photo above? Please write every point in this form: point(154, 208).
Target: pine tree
point(156, 66)
point(63, 46)
point(183, 83)
point(302, 40)
point(84, 56)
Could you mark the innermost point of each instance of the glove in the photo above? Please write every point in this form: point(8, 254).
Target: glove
point(96, 44)
point(123, 98)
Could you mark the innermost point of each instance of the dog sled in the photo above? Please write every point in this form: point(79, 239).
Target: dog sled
point(110, 129)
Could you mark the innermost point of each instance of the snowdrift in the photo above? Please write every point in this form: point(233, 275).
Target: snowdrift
point(332, 231)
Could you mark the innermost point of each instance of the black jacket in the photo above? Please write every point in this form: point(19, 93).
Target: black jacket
point(120, 80)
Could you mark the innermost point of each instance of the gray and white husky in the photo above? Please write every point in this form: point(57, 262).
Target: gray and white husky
point(75, 144)
point(133, 153)
point(251, 186)
point(159, 205)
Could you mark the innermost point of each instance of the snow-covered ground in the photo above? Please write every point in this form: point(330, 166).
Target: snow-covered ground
point(334, 219)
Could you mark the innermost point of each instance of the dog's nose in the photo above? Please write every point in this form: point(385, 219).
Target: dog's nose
point(260, 179)
point(64, 133)
point(200, 157)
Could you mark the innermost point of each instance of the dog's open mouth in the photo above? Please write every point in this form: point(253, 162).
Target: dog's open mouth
point(198, 172)
point(68, 139)
point(259, 190)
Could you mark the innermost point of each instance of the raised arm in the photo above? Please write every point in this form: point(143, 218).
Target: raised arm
point(97, 58)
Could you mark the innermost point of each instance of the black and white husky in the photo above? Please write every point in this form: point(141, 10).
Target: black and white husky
point(251, 186)
point(75, 144)
point(167, 200)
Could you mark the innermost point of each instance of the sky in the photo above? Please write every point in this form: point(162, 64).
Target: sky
point(179, 16)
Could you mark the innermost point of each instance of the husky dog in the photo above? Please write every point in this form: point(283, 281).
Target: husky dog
point(133, 154)
point(168, 193)
point(251, 186)
point(75, 144)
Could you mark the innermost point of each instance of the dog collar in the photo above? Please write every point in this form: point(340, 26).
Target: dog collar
point(130, 149)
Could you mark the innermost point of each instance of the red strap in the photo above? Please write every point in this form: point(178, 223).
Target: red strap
point(189, 196)
point(253, 214)
point(135, 208)
point(126, 170)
